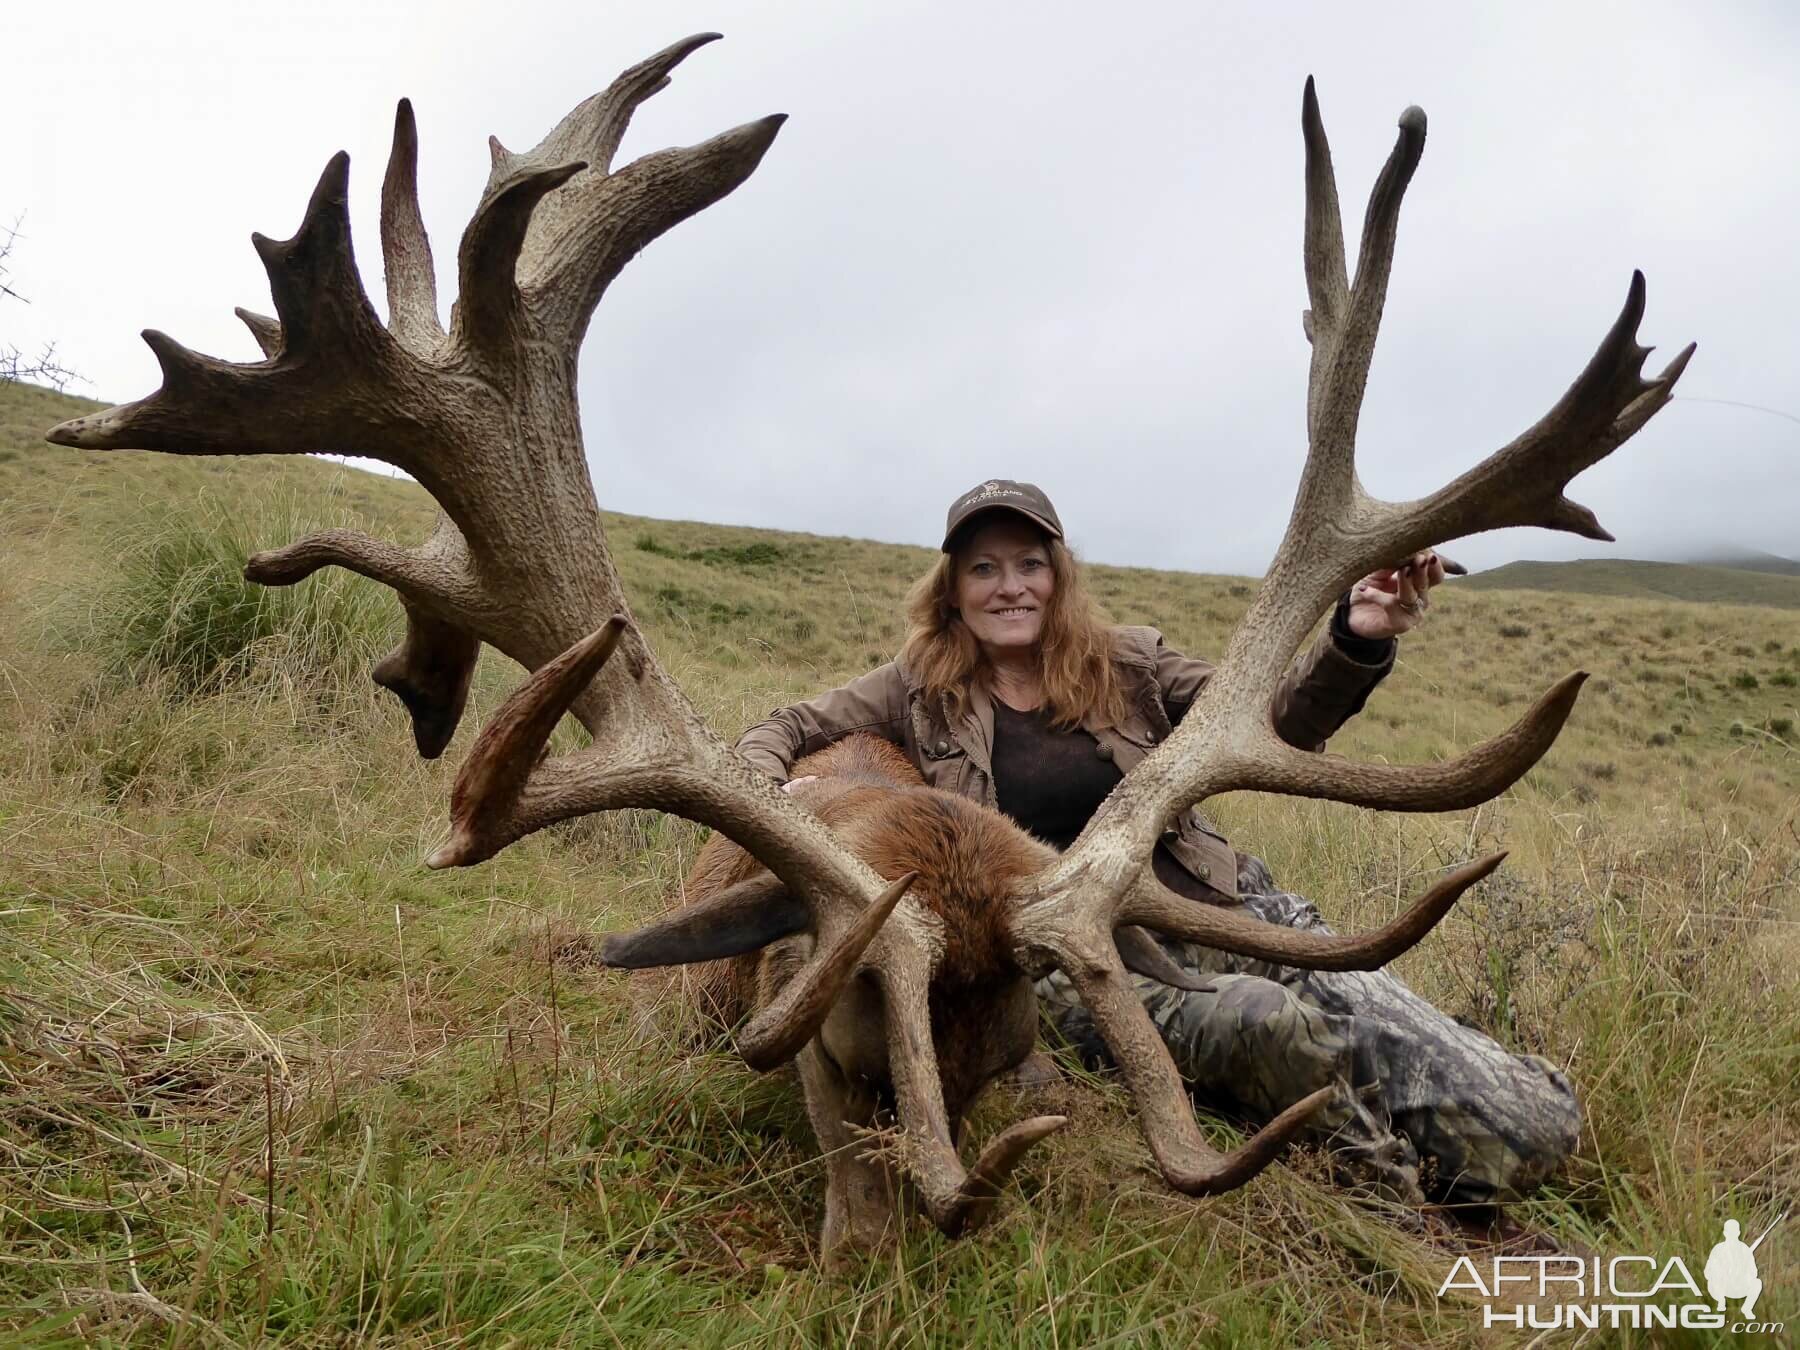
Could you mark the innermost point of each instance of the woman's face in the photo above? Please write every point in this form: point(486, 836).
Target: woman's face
point(1003, 585)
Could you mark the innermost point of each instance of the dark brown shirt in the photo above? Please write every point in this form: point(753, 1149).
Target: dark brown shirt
point(1051, 782)
point(1048, 781)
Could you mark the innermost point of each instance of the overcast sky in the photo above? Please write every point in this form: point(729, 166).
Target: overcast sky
point(1058, 242)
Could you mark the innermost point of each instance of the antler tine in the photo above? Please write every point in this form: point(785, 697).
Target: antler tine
point(1471, 778)
point(265, 330)
point(1188, 1163)
point(601, 221)
point(1327, 284)
point(492, 315)
point(1522, 483)
point(493, 777)
point(739, 919)
point(334, 378)
point(795, 1015)
point(1345, 317)
point(405, 246)
point(958, 1201)
point(1153, 906)
point(593, 130)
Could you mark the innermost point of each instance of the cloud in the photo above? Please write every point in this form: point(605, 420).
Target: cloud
point(1064, 249)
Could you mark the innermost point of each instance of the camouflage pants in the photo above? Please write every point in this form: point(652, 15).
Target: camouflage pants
point(1426, 1107)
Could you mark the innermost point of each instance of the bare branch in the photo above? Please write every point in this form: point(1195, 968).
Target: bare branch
point(44, 368)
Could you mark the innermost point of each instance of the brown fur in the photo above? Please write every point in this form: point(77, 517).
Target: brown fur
point(968, 858)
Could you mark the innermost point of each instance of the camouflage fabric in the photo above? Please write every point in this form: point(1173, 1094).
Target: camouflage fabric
point(1427, 1108)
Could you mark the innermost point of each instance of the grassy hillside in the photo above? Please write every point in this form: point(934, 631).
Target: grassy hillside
point(1750, 560)
point(262, 1077)
point(1702, 584)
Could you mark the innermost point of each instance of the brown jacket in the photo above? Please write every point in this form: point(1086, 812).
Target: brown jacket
point(1322, 691)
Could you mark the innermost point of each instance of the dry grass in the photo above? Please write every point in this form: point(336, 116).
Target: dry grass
point(264, 1078)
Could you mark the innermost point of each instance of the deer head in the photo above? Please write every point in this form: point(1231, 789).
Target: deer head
point(483, 414)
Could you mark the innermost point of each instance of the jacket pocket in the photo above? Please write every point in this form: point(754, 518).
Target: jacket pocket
point(943, 763)
point(1203, 852)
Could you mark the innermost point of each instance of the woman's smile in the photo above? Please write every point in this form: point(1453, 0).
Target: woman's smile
point(1003, 583)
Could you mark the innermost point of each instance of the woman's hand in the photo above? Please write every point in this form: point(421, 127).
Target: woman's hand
point(1393, 601)
point(793, 783)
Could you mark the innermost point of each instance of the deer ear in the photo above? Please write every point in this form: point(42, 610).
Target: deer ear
point(738, 920)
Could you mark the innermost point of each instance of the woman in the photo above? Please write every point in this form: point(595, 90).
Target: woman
point(1010, 691)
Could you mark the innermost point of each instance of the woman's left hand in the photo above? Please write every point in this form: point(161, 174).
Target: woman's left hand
point(1393, 601)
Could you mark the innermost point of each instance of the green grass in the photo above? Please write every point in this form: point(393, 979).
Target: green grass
point(180, 610)
point(219, 951)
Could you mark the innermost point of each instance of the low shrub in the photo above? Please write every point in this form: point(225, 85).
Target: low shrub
point(758, 554)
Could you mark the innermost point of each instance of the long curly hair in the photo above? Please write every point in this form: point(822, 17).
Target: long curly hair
point(1075, 644)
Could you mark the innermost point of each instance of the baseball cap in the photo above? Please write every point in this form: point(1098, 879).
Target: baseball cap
point(1002, 494)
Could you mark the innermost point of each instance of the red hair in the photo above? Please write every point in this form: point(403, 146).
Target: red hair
point(1074, 647)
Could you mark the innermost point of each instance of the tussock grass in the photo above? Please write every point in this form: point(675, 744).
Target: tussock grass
point(262, 1078)
point(180, 610)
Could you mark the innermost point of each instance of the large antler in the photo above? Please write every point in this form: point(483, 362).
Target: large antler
point(484, 415)
point(1227, 741)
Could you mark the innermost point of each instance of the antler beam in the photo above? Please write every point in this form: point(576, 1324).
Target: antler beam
point(1337, 533)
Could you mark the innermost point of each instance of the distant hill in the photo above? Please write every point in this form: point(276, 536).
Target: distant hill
point(1735, 583)
point(1749, 560)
